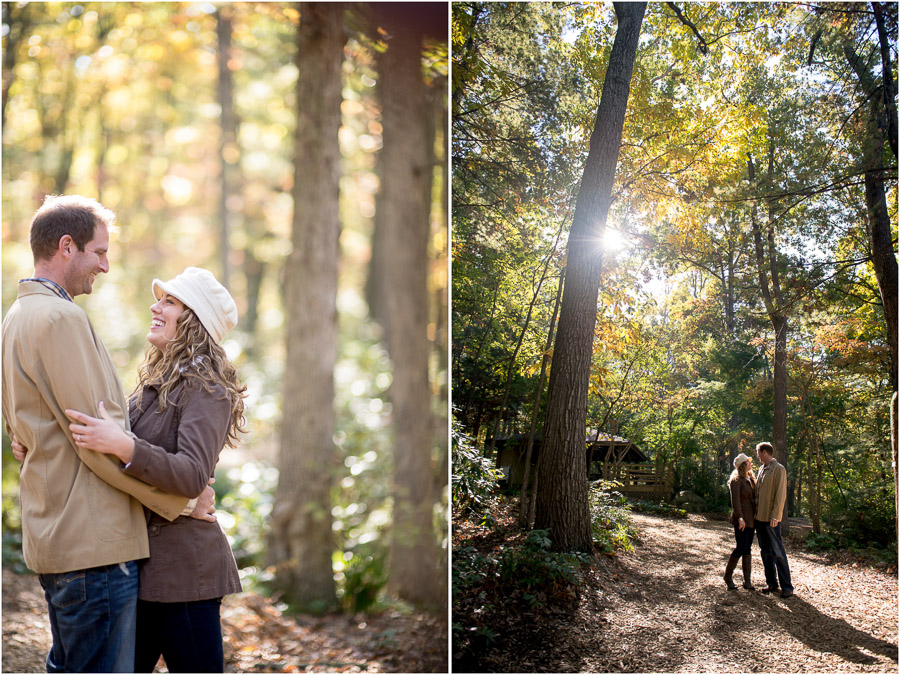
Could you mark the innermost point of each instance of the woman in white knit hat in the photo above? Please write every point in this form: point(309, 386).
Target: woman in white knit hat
point(187, 405)
point(742, 486)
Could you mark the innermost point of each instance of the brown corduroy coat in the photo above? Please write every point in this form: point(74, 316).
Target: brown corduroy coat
point(177, 450)
point(743, 501)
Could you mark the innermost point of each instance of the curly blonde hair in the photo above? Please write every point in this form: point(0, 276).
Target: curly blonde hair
point(193, 355)
point(743, 471)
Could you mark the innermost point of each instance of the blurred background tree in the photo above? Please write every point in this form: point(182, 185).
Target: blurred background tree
point(183, 119)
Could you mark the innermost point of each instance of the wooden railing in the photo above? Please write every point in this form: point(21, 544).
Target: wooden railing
point(645, 480)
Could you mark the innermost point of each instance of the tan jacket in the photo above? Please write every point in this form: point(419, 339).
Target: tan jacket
point(79, 510)
point(771, 490)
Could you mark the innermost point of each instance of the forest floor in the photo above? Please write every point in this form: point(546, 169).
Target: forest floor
point(664, 608)
point(258, 637)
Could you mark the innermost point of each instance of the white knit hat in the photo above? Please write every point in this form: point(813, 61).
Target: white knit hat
point(740, 459)
point(212, 303)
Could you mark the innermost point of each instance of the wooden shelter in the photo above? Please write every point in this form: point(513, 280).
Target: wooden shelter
point(606, 456)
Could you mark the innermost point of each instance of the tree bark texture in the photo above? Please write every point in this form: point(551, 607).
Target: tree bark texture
point(879, 224)
point(301, 540)
point(562, 499)
point(228, 135)
point(894, 439)
point(770, 288)
point(525, 502)
point(402, 228)
point(889, 88)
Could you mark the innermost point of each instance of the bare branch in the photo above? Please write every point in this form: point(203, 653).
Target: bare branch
point(703, 47)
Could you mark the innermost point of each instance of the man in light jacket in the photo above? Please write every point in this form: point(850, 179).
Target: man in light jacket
point(83, 526)
point(771, 490)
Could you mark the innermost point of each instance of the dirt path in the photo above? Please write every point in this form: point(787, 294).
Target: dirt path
point(258, 637)
point(664, 608)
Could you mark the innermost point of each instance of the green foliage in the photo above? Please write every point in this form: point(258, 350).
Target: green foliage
point(12, 524)
point(536, 569)
point(658, 509)
point(610, 523)
point(470, 569)
point(474, 477)
point(364, 577)
point(244, 502)
point(874, 552)
point(490, 586)
point(821, 542)
point(868, 518)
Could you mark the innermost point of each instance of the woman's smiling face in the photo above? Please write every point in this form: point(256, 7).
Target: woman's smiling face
point(165, 312)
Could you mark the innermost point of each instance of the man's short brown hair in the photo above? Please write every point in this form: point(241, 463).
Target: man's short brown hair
point(68, 214)
point(767, 447)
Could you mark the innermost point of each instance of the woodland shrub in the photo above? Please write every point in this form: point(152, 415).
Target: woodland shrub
point(489, 588)
point(866, 518)
point(534, 569)
point(658, 509)
point(364, 577)
point(610, 520)
point(474, 479)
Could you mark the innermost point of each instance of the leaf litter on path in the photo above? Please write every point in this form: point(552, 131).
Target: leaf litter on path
point(258, 636)
point(664, 608)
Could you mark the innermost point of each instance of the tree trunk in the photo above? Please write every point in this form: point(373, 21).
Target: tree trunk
point(562, 500)
point(17, 18)
point(301, 540)
point(228, 135)
point(889, 89)
point(880, 239)
point(879, 224)
point(403, 226)
point(813, 472)
point(883, 259)
point(775, 307)
point(894, 439)
point(525, 504)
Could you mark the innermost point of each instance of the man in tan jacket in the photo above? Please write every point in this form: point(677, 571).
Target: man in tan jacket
point(771, 490)
point(83, 526)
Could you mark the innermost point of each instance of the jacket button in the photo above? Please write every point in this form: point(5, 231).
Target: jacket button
point(154, 529)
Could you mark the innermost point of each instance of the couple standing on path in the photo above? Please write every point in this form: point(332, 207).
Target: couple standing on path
point(116, 509)
point(757, 504)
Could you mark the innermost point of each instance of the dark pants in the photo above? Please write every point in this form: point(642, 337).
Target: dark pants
point(743, 540)
point(92, 618)
point(188, 635)
point(774, 557)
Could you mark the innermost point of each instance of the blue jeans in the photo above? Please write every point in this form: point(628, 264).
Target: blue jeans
point(743, 540)
point(188, 635)
point(93, 616)
point(774, 557)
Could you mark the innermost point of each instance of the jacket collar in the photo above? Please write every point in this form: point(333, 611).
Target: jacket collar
point(766, 467)
point(34, 288)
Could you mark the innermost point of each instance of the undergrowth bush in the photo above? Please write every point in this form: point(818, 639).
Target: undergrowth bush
point(610, 520)
point(658, 509)
point(364, 577)
point(489, 588)
point(474, 479)
point(871, 551)
point(534, 568)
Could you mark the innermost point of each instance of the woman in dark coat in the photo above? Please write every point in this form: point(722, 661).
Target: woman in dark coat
point(188, 404)
point(742, 486)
